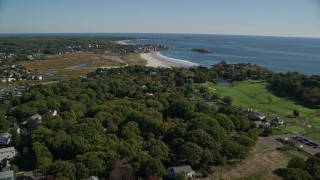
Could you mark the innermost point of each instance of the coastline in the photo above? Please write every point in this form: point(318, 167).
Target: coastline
point(153, 61)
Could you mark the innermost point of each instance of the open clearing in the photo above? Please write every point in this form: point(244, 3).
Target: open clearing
point(292, 128)
point(260, 164)
point(69, 65)
point(254, 94)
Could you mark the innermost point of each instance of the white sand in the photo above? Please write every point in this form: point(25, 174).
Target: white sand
point(152, 61)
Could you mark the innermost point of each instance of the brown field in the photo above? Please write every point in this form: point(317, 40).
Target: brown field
point(134, 59)
point(68, 65)
point(260, 164)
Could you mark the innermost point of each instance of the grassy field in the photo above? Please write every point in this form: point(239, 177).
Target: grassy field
point(260, 164)
point(254, 94)
point(68, 65)
point(313, 131)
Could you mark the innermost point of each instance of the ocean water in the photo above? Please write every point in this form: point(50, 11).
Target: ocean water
point(280, 54)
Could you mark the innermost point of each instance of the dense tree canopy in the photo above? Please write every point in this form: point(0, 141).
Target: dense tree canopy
point(127, 121)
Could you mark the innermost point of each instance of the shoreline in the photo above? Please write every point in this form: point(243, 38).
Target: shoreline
point(153, 61)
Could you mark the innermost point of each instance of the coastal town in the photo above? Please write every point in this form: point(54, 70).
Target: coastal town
point(192, 86)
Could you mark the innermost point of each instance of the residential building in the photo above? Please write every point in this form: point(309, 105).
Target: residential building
point(7, 175)
point(5, 138)
point(7, 153)
point(37, 118)
point(254, 115)
point(187, 170)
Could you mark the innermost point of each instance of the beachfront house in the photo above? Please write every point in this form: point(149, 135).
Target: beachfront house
point(187, 170)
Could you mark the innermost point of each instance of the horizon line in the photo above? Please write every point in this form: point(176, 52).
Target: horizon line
point(257, 35)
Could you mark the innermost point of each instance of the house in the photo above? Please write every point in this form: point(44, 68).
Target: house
point(7, 153)
point(55, 113)
point(187, 170)
point(93, 178)
point(11, 79)
point(254, 115)
point(153, 73)
point(5, 138)
point(37, 118)
point(257, 123)
point(38, 77)
point(5, 166)
point(144, 87)
point(265, 125)
point(8, 175)
point(193, 100)
point(276, 122)
point(260, 124)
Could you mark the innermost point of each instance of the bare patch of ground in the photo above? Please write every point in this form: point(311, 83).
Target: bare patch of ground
point(260, 164)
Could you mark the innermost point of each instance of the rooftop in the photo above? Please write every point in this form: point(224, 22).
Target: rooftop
point(179, 169)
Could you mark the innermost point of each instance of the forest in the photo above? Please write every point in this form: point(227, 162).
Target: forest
point(131, 122)
point(14, 49)
point(302, 88)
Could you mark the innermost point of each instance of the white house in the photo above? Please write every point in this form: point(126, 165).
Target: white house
point(5, 138)
point(187, 170)
point(7, 153)
point(55, 113)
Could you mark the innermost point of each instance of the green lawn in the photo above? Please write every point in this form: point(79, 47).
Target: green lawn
point(254, 94)
point(296, 129)
point(314, 129)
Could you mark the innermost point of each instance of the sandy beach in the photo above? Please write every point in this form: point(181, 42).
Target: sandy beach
point(152, 61)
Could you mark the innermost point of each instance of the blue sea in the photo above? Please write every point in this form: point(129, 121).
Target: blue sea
point(280, 54)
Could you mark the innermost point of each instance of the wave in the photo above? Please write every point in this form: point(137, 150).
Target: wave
point(178, 62)
point(123, 42)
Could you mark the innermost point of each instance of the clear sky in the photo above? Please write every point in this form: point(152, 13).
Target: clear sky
point(247, 17)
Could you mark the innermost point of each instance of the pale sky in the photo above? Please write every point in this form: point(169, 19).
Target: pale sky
point(246, 17)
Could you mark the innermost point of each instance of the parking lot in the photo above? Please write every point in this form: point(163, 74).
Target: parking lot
point(308, 145)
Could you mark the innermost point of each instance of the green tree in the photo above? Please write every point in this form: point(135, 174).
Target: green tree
point(297, 162)
point(295, 174)
point(159, 150)
point(4, 123)
point(225, 121)
point(42, 156)
point(313, 167)
point(93, 161)
point(296, 113)
point(181, 109)
point(227, 100)
point(63, 169)
point(191, 152)
point(130, 130)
